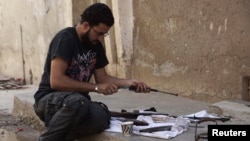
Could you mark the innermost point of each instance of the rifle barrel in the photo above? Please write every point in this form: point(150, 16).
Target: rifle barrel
point(133, 88)
point(133, 114)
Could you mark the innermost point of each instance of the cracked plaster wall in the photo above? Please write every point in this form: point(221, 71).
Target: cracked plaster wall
point(28, 26)
point(198, 49)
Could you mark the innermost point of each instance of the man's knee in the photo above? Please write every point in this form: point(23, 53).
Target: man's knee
point(65, 103)
point(76, 102)
point(97, 120)
point(100, 114)
point(40, 106)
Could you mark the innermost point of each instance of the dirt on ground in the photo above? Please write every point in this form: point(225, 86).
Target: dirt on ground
point(14, 129)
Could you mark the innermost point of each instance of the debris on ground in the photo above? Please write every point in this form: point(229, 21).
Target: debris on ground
point(7, 83)
point(14, 129)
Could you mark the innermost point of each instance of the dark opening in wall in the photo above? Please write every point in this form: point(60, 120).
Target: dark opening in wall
point(245, 95)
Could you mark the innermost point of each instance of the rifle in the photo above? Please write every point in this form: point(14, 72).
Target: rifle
point(131, 116)
point(204, 119)
point(134, 115)
point(136, 122)
point(156, 129)
point(133, 88)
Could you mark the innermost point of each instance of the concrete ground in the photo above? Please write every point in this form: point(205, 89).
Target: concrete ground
point(18, 104)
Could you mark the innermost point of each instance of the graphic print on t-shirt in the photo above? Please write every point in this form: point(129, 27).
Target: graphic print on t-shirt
point(82, 66)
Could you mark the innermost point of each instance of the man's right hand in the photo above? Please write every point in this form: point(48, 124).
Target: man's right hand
point(107, 88)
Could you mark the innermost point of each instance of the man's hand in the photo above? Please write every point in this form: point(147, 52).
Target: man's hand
point(140, 87)
point(107, 88)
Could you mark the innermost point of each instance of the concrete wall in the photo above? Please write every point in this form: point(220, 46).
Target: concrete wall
point(27, 27)
point(198, 49)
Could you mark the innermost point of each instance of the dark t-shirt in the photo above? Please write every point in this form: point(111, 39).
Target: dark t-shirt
point(82, 59)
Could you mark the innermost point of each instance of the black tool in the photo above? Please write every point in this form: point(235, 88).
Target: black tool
point(136, 122)
point(133, 88)
point(156, 129)
point(133, 115)
point(203, 119)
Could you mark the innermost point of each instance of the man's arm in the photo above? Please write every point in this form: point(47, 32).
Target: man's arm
point(101, 76)
point(60, 81)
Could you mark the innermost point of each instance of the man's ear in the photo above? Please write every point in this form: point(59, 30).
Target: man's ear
point(85, 26)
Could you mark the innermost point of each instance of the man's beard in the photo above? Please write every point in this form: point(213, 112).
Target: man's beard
point(85, 39)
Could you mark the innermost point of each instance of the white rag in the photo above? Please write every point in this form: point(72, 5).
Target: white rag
point(179, 125)
point(202, 113)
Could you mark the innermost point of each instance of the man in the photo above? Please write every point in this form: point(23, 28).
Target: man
point(75, 53)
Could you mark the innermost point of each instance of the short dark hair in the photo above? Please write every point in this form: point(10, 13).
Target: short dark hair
point(97, 13)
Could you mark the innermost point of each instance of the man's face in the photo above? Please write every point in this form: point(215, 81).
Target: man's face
point(95, 34)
